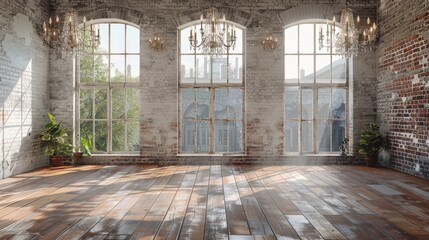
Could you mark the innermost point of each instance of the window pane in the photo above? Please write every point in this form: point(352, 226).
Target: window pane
point(235, 71)
point(307, 104)
point(221, 136)
point(239, 42)
point(185, 47)
point(221, 103)
point(133, 100)
point(338, 69)
point(307, 136)
point(133, 136)
point(101, 68)
point(202, 99)
point(324, 102)
point(291, 103)
point(291, 40)
point(118, 103)
point(187, 134)
point(323, 68)
point(338, 134)
point(339, 103)
point(203, 133)
point(291, 136)
point(306, 69)
point(133, 68)
point(104, 39)
point(101, 104)
point(306, 38)
point(187, 100)
point(117, 38)
point(202, 64)
point(291, 69)
point(187, 69)
point(228, 136)
point(235, 136)
point(100, 138)
point(236, 103)
point(118, 136)
point(133, 39)
point(86, 98)
point(219, 68)
point(86, 68)
point(86, 128)
point(117, 68)
point(324, 136)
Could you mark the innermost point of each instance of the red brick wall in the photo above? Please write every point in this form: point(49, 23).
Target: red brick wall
point(403, 87)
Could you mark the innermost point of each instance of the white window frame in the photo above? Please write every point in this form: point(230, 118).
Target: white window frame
point(211, 86)
point(109, 86)
point(315, 86)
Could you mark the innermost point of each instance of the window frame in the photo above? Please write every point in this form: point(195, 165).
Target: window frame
point(109, 86)
point(211, 86)
point(316, 86)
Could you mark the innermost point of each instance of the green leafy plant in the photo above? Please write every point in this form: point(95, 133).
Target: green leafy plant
point(85, 145)
point(55, 140)
point(343, 146)
point(371, 141)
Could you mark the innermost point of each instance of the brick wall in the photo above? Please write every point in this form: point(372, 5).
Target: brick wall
point(403, 83)
point(264, 73)
point(24, 98)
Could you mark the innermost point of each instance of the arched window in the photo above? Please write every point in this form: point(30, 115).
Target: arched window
point(316, 91)
point(211, 97)
point(108, 89)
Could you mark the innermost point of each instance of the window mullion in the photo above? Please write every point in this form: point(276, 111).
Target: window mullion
point(315, 110)
point(212, 120)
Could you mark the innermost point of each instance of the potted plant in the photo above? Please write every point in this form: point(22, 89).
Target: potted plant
point(371, 143)
point(84, 148)
point(55, 141)
point(343, 146)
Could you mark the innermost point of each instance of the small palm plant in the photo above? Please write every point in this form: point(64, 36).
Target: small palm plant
point(371, 143)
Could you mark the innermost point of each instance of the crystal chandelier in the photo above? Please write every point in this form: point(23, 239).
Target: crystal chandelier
point(346, 42)
point(51, 32)
point(351, 38)
point(90, 35)
point(156, 44)
point(215, 35)
point(269, 43)
point(71, 39)
point(368, 35)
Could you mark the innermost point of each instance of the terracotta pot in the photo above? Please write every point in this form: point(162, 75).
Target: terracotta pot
point(370, 160)
point(78, 154)
point(56, 161)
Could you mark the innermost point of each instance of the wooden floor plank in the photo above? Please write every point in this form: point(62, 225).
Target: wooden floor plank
point(214, 202)
point(195, 217)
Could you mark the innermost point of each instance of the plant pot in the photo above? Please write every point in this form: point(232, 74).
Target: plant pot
point(370, 160)
point(56, 161)
point(78, 154)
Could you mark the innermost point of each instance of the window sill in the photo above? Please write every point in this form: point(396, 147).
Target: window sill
point(211, 155)
point(116, 155)
point(318, 155)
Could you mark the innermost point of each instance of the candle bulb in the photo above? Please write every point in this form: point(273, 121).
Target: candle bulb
point(368, 21)
point(50, 21)
point(358, 19)
point(57, 19)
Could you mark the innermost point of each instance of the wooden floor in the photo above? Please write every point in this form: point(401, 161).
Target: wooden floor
point(214, 202)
